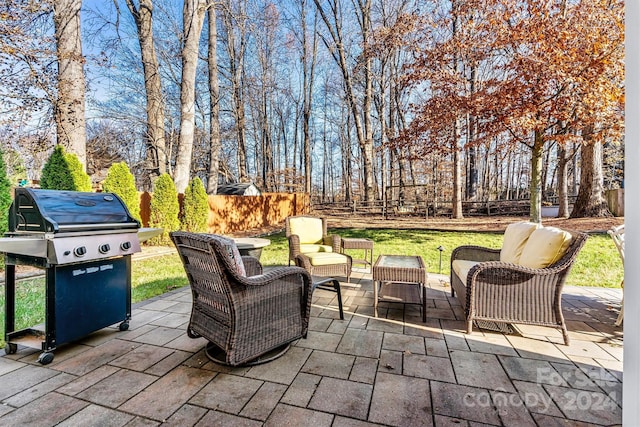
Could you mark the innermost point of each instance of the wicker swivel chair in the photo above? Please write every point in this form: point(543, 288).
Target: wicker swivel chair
point(311, 248)
point(496, 291)
point(247, 315)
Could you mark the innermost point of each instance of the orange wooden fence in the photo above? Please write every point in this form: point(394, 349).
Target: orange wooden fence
point(229, 214)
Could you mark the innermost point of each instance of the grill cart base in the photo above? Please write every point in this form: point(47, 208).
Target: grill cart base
point(80, 299)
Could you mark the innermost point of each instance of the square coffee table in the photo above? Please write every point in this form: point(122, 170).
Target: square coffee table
point(400, 278)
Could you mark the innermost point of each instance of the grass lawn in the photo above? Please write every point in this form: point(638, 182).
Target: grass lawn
point(598, 264)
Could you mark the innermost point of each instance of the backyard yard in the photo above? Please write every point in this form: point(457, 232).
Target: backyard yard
point(598, 264)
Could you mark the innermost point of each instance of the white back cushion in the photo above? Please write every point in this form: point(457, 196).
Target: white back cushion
point(515, 238)
point(545, 246)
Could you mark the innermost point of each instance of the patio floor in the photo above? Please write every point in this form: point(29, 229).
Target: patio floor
point(390, 370)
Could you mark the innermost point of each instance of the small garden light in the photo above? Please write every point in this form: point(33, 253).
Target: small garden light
point(440, 248)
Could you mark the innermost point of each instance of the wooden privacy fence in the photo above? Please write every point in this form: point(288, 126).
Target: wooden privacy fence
point(229, 214)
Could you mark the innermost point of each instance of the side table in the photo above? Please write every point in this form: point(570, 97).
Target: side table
point(399, 278)
point(362, 244)
point(251, 246)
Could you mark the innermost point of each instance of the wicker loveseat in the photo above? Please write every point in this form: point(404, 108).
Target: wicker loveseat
point(520, 283)
point(243, 312)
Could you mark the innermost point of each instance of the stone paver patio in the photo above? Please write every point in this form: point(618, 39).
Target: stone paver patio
point(365, 370)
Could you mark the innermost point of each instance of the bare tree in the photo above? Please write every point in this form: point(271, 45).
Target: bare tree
point(214, 102)
point(360, 112)
point(235, 37)
point(193, 20)
point(70, 104)
point(156, 157)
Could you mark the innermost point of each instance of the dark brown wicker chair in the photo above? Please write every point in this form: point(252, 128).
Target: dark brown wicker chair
point(502, 292)
point(312, 255)
point(248, 319)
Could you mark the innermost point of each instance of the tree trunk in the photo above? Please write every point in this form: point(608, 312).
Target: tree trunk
point(214, 104)
point(308, 71)
point(193, 19)
point(363, 132)
point(236, 66)
point(456, 200)
point(563, 185)
point(590, 201)
point(156, 157)
point(70, 104)
point(535, 186)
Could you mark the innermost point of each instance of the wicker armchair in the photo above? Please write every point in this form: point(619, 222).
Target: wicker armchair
point(505, 292)
point(312, 249)
point(246, 319)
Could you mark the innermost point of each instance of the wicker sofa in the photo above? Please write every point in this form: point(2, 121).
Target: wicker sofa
point(513, 284)
point(243, 312)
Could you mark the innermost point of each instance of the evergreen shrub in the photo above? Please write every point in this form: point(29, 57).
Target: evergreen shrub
point(121, 182)
point(195, 207)
point(5, 196)
point(63, 171)
point(164, 209)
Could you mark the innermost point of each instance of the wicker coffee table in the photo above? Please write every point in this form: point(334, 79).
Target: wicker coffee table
point(400, 278)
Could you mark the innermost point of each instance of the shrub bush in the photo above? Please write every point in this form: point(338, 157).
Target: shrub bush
point(120, 181)
point(195, 207)
point(63, 171)
point(5, 196)
point(164, 209)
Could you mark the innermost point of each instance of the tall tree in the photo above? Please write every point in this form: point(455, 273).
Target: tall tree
point(331, 12)
point(156, 157)
point(193, 19)
point(70, 103)
point(214, 101)
point(235, 38)
point(308, 60)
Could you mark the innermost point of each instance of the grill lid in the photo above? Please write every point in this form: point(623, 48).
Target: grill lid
point(37, 210)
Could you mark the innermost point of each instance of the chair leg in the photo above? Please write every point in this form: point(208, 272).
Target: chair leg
point(469, 325)
point(336, 286)
point(621, 314)
point(565, 335)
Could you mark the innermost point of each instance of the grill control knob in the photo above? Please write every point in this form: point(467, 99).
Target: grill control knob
point(104, 248)
point(125, 246)
point(80, 251)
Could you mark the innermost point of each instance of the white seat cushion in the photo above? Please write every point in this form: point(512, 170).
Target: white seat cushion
point(461, 268)
point(544, 247)
point(326, 258)
point(515, 238)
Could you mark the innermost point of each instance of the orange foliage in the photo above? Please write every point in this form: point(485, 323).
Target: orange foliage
point(551, 66)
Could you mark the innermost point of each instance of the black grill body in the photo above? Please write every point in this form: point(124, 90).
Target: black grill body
point(84, 243)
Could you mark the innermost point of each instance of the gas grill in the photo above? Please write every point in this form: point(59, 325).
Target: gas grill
point(84, 242)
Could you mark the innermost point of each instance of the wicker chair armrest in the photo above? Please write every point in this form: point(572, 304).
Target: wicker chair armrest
point(274, 275)
point(252, 266)
point(504, 273)
point(294, 245)
point(303, 261)
point(475, 253)
point(334, 240)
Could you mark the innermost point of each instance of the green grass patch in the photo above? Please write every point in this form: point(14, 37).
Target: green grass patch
point(598, 264)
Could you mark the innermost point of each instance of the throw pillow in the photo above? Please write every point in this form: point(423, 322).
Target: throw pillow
point(545, 246)
point(515, 238)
